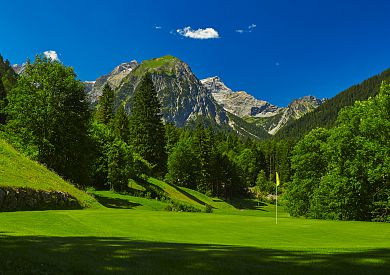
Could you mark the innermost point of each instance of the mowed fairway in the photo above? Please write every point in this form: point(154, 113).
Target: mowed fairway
point(160, 242)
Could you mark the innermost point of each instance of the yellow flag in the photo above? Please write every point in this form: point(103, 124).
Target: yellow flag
point(277, 179)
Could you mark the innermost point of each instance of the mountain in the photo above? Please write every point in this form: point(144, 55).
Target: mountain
point(18, 69)
point(326, 114)
point(94, 88)
point(239, 103)
point(185, 101)
point(259, 112)
point(296, 109)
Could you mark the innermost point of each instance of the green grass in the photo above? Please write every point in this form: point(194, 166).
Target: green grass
point(159, 242)
point(216, 203)
point(111, 199)
point(136, 186)
point(18, 171)
point(162, 64)
point(158, 62)
point(176, 193)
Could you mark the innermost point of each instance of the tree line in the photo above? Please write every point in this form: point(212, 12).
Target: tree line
point(344, 172)
point(49, 118)
point(326, 114)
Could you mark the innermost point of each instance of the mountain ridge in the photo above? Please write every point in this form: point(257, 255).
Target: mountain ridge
point(326, 114)
point(184, 99)
point(259, 112)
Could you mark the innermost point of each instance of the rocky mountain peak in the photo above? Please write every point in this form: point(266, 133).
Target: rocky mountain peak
point(114, 79)
point(19, 69)
point(215, 85)
point(239, 103)
point(259, 112)
point(125, 67)
point(295, 110)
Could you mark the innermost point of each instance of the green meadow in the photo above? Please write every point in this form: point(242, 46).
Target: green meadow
point(138, 240)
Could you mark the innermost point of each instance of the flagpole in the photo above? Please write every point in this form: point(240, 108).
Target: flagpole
point(276, 204)
point(277, 179)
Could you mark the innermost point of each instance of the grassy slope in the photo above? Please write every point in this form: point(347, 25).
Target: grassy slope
point(176, 193)
point(18, 171)
point(162, 65)
point(114, 200)
point(184, 195)
point(213, 202)
point(167, 242)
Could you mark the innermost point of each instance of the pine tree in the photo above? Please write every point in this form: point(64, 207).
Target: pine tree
point(147, 133)
point(120, 124)
point(2, 102)
point(105, 112)
point(7, 81)
point(203, 142)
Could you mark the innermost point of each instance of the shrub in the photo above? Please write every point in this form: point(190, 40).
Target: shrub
point(209, 208)
point(181, 207)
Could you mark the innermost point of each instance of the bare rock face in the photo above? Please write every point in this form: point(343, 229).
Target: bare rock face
point(114, 78)
point(259, 112)
point(295, 110)
point(19, 69)
point(239, 103)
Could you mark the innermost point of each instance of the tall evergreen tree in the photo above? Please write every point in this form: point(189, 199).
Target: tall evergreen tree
point(203, 143)
point(7, 82)
point(48, 112)
point(2, 102)
point(120, 124)
point(147, 132)
point(105, 112)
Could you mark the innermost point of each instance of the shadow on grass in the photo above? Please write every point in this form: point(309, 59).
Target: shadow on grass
point(248, 204)
point(85, 255)
point(115, 202)
point(185, 193)
point(149, 187)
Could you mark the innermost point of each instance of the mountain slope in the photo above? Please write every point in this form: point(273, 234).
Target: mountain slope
point(258, 112)
point(326, 114)
point(184, 99)
point(239, 103)
point(114, 79)
point(182, 96)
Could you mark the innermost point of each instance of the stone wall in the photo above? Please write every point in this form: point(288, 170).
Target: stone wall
point(17, 199)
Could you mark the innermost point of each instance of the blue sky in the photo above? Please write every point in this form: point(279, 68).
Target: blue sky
point(296, 48)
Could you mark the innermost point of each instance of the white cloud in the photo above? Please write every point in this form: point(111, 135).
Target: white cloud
point(208, 33)
point(250, 28)
point(51, 55)
point(158, 27)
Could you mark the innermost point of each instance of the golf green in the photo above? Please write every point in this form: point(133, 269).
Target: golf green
point(160, 242)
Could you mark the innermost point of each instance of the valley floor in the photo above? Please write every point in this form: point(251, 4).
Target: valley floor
point(136, 241)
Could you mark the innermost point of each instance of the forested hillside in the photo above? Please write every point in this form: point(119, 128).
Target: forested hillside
point(326, 114)
point(344, 172)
